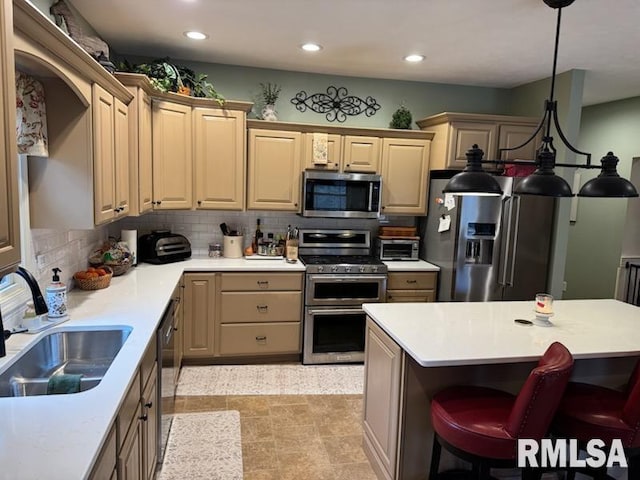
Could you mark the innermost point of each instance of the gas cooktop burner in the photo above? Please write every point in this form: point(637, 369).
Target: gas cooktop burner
point(343, 264)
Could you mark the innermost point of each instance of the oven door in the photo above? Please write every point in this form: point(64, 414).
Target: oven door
point(333, 335)
point(345, 289)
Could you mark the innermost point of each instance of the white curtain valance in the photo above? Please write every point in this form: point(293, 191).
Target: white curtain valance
point(31, 116)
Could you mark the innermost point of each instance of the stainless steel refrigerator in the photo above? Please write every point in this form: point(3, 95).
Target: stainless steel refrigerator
point(496, 248)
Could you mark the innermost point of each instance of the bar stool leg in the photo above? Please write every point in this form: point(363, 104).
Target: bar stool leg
point(435, 458)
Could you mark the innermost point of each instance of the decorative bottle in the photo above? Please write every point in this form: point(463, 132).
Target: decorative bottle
point(56, 294)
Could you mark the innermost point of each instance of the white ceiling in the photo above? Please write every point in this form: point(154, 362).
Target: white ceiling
point(496, 43)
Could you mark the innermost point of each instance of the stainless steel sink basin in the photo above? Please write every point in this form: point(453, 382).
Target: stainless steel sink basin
point(86, 352)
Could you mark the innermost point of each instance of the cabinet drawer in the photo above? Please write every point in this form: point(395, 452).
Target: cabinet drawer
point(398, 296)
point(245, 282)
point(129, 409)
point(239, 307)
point(147, 363)
point(412, 281)
point(259, 338)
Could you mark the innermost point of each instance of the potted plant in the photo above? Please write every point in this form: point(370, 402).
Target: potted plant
point(401, 118)
point(270, 93)
point(168, 77)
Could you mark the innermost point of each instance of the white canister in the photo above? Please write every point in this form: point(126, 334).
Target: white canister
point(233, 246)
point(130, 237)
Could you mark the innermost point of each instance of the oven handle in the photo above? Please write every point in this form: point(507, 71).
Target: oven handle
point(313, 311)
point(345, 278)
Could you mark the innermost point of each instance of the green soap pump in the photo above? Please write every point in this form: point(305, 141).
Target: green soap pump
point(56, 294)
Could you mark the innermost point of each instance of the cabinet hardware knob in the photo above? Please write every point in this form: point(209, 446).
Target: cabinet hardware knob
point(263, 283)
point(144, 417)
point(262, 308)
point(199, 202)
point(261, 338)
point(148, 404)
point(175, 329)
point(295, 204)
point(412, 281)
point(159, 202)
point(348, 164)
point(383, 207)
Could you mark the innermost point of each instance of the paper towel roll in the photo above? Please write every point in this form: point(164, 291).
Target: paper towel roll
point(130, 237)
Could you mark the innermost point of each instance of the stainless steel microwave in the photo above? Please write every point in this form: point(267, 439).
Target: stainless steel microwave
point(341, 195)
point(398, 249)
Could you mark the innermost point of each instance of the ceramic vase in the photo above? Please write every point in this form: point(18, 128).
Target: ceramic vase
point(269, 113)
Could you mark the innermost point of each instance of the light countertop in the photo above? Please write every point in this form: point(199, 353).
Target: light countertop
point(411, 266)
point(456, 333)
point(59, 436)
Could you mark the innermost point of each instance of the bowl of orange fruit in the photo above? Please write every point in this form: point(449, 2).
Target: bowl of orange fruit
point(93, 278)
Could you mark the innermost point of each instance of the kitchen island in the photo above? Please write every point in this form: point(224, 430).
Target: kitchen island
point(414, 350)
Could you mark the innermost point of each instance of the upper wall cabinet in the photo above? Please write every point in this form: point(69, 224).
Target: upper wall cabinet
point(345, 153)
point(9, 215)
point(84, 180)
point(219, 158)
point(455, 133)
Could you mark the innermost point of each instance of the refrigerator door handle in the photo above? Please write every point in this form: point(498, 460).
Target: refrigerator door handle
point(507, 235)
point(515, 239)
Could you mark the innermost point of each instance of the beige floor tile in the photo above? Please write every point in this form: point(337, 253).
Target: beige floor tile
point(201, 404)
point(353, 471)
point(262, 475)
point(259, 456)
point(300, 459)
point(249, 406)
point(344, 449)
point(286, 399)
point(256, 429)
point(290, 415)
point(307, 472)
point(336, 424)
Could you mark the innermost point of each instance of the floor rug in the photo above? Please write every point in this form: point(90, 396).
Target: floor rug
point(204, 446)
point(272, 380)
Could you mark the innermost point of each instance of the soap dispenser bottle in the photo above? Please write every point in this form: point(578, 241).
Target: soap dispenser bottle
point(56, 294)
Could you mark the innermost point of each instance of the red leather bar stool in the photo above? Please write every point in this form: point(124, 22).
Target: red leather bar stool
point(482, 425)
point(589, 411)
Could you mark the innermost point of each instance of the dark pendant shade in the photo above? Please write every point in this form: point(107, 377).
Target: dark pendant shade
point(544, 184)
point(608, 183)
point(473, 180)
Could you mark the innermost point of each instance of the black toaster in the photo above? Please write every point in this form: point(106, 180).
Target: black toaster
point(162, 246)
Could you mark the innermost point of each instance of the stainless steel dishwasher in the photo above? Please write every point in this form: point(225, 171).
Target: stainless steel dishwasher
point(166, 376)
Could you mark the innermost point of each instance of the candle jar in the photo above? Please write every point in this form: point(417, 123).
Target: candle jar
point(215, 250)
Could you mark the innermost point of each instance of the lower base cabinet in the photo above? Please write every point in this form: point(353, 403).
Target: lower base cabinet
point(105, 466)
point(411, 287)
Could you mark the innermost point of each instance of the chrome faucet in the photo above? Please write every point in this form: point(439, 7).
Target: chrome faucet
point(39, 304)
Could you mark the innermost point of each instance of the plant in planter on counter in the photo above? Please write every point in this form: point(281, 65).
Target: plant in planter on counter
point(270, 94)
point(168, 77)
point(401, 118)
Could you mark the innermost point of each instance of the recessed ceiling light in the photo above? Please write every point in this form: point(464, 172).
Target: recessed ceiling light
point(196, 35)
point(414, 58)
point(311, 47)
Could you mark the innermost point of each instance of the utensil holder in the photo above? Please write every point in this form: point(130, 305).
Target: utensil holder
point(233, 246)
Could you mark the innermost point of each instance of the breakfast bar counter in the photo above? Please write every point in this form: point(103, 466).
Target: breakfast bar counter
point(414, 350)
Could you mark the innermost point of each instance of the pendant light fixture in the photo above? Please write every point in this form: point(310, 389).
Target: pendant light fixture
point(544, 181)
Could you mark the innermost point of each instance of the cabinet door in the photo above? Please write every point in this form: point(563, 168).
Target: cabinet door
point(104, 155)
point(514, 135)
point(145, 156)
point(383, 369)
point(106, 464)
point(121, 158)
point(405, 164)
point(402, 296)
point(464, 135)
point(178, 315)
point(361, 154)
point(219, 159)
point(274, 170)
point(9, 215)
point(130, 456)
point(172, 156)
point(199, 314)
point(334, 153)
point(150, 427)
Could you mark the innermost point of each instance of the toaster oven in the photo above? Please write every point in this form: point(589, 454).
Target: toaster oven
point(162, 246)
point(405, 249)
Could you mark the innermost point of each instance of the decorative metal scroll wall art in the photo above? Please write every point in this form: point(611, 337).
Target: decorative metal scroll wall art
point(336, 104)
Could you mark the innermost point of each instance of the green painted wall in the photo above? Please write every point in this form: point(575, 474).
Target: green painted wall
point(422, 98)
point(529, 100)
point(595, 239)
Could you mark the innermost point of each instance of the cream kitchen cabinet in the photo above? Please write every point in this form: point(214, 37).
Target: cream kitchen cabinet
point(382, 379)
point(219, 158)
point(140, 145)
point(199, 310)
point(274, 170)
point(105, 466)
point(111, 156)
point(405, 167)
point(455, 133)
point(411, 287)
point(334, 153)
point(361, 154)
point(9, 214)
point(172, 156)
point(260, 314)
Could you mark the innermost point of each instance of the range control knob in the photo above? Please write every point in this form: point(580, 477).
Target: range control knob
point(320, 269)
point(362, 268)
point(334, 268)
point(347, 269)
point(374, 269)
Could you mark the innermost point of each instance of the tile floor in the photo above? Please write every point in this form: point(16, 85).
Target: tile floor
point(292, 437)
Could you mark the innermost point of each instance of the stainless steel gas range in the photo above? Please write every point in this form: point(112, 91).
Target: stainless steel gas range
point(341, 275)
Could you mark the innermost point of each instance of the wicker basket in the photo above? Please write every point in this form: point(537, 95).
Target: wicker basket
point(398, 231)
point(117, 268)
point(96, 283)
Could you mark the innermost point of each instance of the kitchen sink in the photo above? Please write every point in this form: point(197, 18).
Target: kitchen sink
point(86, 352)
